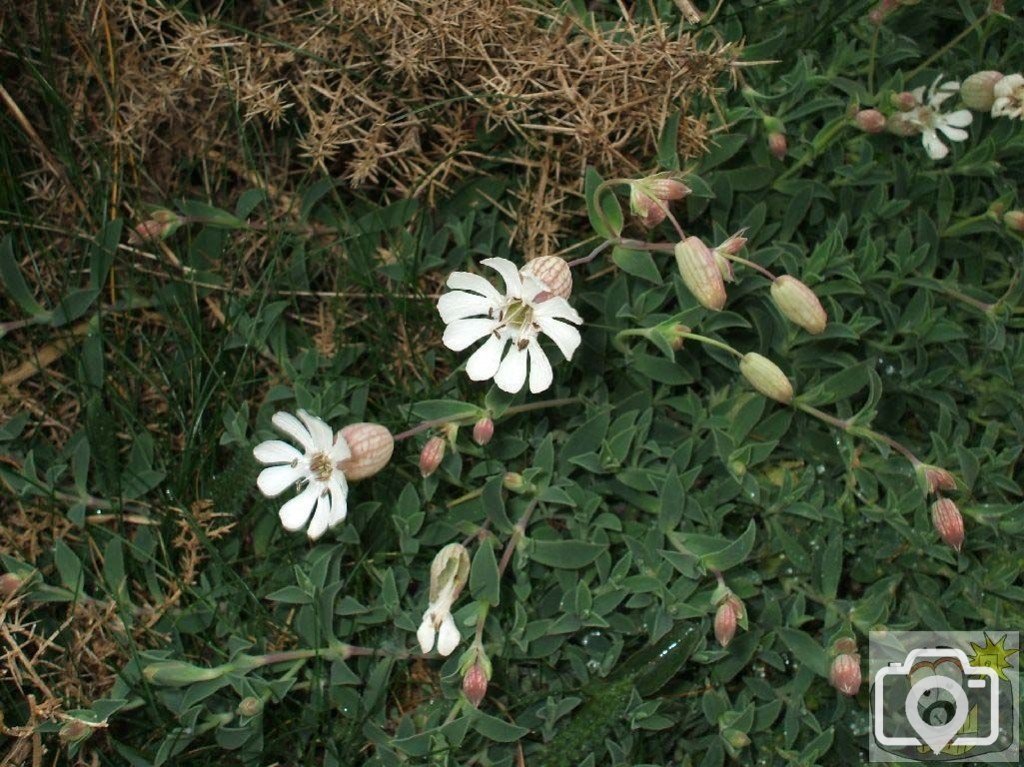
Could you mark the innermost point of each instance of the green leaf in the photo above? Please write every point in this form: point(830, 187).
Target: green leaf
point(484, 580)
point(715, 552)
point(446, 409)
point(566, 555)
point(668, 142)
point(805, 650)
point(608, 226)
point(638, 263)
point(14, 283)
point(496, 729)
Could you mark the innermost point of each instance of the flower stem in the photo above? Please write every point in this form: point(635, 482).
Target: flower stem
point(924, 64)
point(514, 410)
point(517, 535)
point(592, 255)
point(713, 342)
point(860, 431)
point(751, 264)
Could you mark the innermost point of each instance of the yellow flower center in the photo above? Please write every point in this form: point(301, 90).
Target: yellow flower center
point(518, 315)
point(320, 466)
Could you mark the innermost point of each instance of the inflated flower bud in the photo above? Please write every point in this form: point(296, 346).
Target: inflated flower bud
point(432, 455)
point(250, 706)
point(9, 584)
point(483, 431)
point(765, 376)
point(474, 684)
point(178, 673)
point(870, 120)
point(844, 674)
point(904, 101)
point(75, 731)
point(553, 272)
point(1014, 219)
point(777, 145)
point(799, 304)
point(161, 225)
point(371, 446)
point(948, 522)
point(934, 479)
point(978, 90)
point(700, 272)
point(728, 615)
point(515, 482)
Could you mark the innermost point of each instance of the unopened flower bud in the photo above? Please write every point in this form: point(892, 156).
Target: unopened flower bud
point(1014, 219)
point(74, 731)
point(733, 244)
point(431, 455)
point(370, 445)
point(729, 612)
point(474, 684)
point(649, 196)
point(934, 479)
point(250, 706)
point(978, 90)
point(515, 482)
point(449, 571)
point(777, 145)
point(483, 431)
point(736, 738)
point(159, 226)
point(948, 522)
point(724, 266)
point(903, 101)
point(700, 272)
point(673, 333)
point(178, 673)
point(765, 376)
point(553, 272)
point(799, 304)
point(9, 584)
point(870, 120)
point(844, 674)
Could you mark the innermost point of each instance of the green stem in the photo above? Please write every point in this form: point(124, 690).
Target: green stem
point(953, 230)
point(713, 342)
point(517, 535)
point(751, 264)
point(924, 64)
point(514, 410)
point(826, 141)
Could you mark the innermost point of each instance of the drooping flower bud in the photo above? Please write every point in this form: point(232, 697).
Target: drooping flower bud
point(553, 272)
point(729, 613)
point(371, 446)
point(449, 571)
point(777, 145)
point(431, 455)
point(904, 101)
point(948, 522)
point(844, 674)
point(799, 304)
point(9, 584)
point(978, 90)
point(765, 376)
point(649, 196)
point(870, 120)
point(483, 431)
point(700, 273)
point(934, 479)
point(734, 244)
point(1014, 219)
point(474, 684)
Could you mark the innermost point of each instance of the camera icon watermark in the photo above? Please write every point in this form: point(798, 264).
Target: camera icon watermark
point(948, 697)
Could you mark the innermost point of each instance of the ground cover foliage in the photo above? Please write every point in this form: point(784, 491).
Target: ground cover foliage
point(154, 611)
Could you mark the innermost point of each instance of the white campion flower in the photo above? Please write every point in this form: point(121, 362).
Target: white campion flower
point(1009, 97)
point(448, 575)
point(474, 309)
point(325, 490)
point(929, 120)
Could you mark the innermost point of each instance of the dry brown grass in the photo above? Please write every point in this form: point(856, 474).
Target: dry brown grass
point(392, 96)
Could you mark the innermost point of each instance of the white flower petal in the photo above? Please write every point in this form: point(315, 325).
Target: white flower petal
point(1001, 106)
point(340, 451)
point(425, 633)
point(566, 337)
point(1006, 86)
point(462, 334)
point(275, 480)
point(291, 426)
point(935, 148)
point(509, 273)
point(511, 373)
point(458, 305)
point(531, 287)
point(540, 369)
point(475, 283)
point(296, 511)
point(484, 362)
point(557, 307)
point(953, 134)
point(448, 637)
point(321, 516)
point(323, 437)
point(960, 118)
point(338, 488)
point(918, 94)
point(275, 451)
